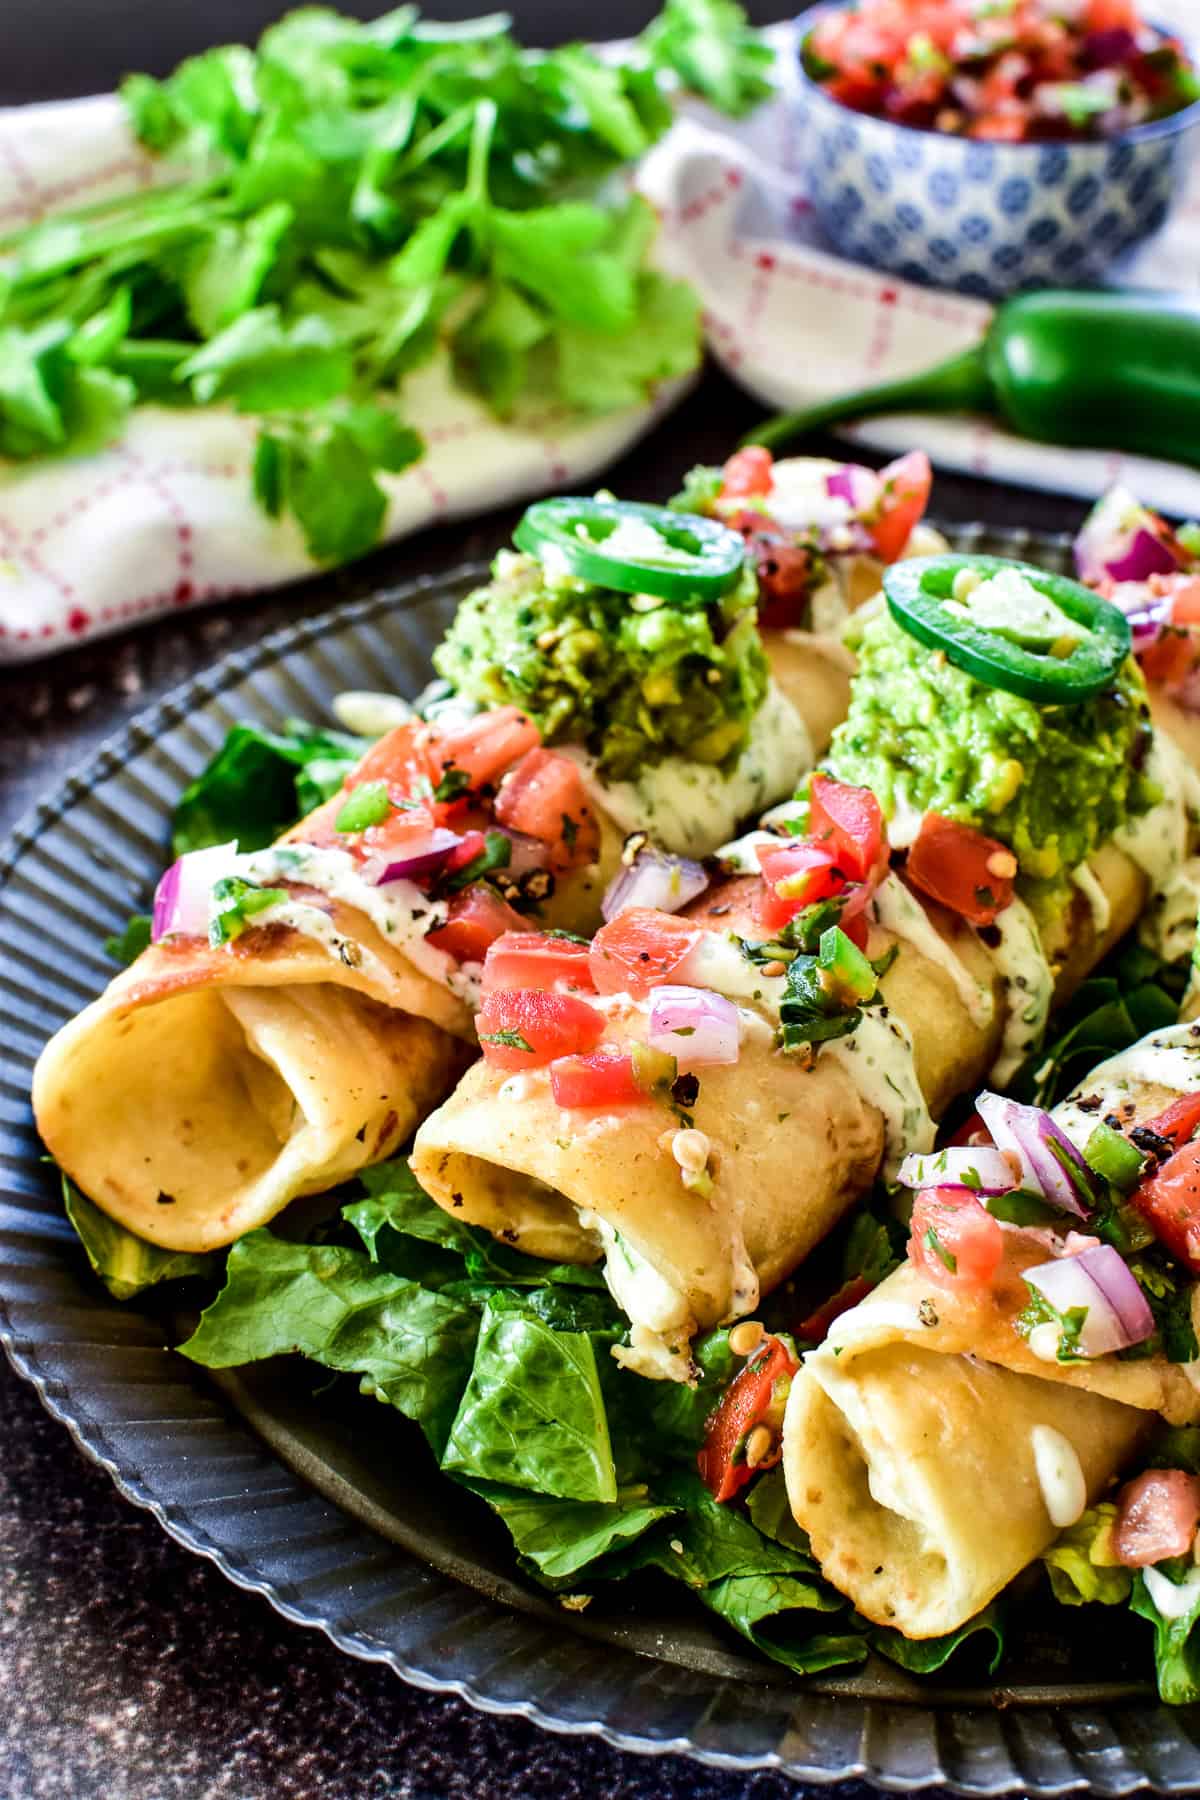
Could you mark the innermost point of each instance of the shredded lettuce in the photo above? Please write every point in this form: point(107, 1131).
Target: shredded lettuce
point(126, 945)
point(1082, 1563)
point(128, 1265)
point(1176, 1646)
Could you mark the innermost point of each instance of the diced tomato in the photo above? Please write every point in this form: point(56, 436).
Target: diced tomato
point(1157, 1515)
point(815, 1328)
point(783, 569)
point(955, 1240)
point(1171, 657)
point(1002, 127)
point(403, 758)
point(599, 1080)
point(405, 828)
point(474, 843)
point(795, 876)
point(477, 917)
point(971, 1131)
point(522, 1028)
point(1169, 1201)
point(971, 874)
point(1185, 597)
point(906, 485)
point(1111, 15)
point(747, 472)
point(755, 1396)
point(850, 820)
point(531, 959)
point(487, 745)
point(640, 950)
point(545, 798)
point(1177, 1122)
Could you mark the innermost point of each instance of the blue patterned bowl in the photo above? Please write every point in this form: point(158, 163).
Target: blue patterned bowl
point(983, 218)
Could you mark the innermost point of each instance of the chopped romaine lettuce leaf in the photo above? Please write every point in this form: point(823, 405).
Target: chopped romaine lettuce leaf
point(128, 1265)
point(1082, 1564)
point(127, 945)
point(411, 1347)
point(260, 782)
point(533, 1414)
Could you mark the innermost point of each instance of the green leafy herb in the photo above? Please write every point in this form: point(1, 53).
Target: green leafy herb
point(350, 197)
point(127, 945)
point(453, 785)
point(496, 854)
point(934, 1244)
point(236, 903)
point(260, 782)
point(368, 805)
point(1070, 1324)
point(825, 994)
point(511, 1040)
point(128, 1265)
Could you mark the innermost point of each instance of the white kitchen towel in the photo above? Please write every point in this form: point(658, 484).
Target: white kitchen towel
point(165, 518)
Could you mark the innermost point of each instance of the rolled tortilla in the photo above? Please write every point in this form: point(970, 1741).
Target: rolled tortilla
point(907, 1442)
point(795, 1140)
point(205, 1089)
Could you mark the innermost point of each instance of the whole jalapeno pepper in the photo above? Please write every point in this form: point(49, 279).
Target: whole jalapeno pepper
point(1115, 370)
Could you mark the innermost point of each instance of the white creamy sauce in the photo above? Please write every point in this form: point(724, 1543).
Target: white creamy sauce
point(1021, 963)
point(717, 962)
point(1157, 841)
point(690, 807)
point(741, 856)
point(878, 1058)
point(658, 1312)
point(1173, 1599)
point(1168, 926)
point(1167, 1059)
point(399, 911)
point(904, 820)
point(896, 909)
point(1060, 1475)
point(1084, 879)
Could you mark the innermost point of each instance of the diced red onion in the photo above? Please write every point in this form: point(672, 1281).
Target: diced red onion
point(1120, 539)
point(694, 1025)
point(527, 853)
point(1147, 555)
point(1146, 626)
point(182, 896)
point(1104, 49)
point(662, 882)
point(1050, 1163)
point(424, 856)
point(983, 1170)
point(857, 485)
point(1118, 1313)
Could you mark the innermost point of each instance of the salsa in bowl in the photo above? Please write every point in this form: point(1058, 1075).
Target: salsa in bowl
point(1004, 71)
point(985, 175)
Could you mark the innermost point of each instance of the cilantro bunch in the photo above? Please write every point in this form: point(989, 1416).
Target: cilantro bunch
point(352, 197)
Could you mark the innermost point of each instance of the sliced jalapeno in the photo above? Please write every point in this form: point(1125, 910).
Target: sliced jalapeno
point(674, 556)
point(1058, 644)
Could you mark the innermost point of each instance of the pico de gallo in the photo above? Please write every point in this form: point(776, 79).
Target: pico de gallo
point(1151, 570)
point(802, 521)
point(446, 838)
point(1021, 71)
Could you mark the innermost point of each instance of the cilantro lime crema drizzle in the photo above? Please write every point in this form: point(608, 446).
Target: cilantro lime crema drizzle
point(399, 911)
point(1168, 1059)
point(688, 806)
point(877, 1055)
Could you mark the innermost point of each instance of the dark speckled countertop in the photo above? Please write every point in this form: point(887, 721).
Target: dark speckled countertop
point(129, 1669)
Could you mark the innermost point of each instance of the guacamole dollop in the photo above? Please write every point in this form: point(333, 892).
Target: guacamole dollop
point(631, 678)
point(1051, 782)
